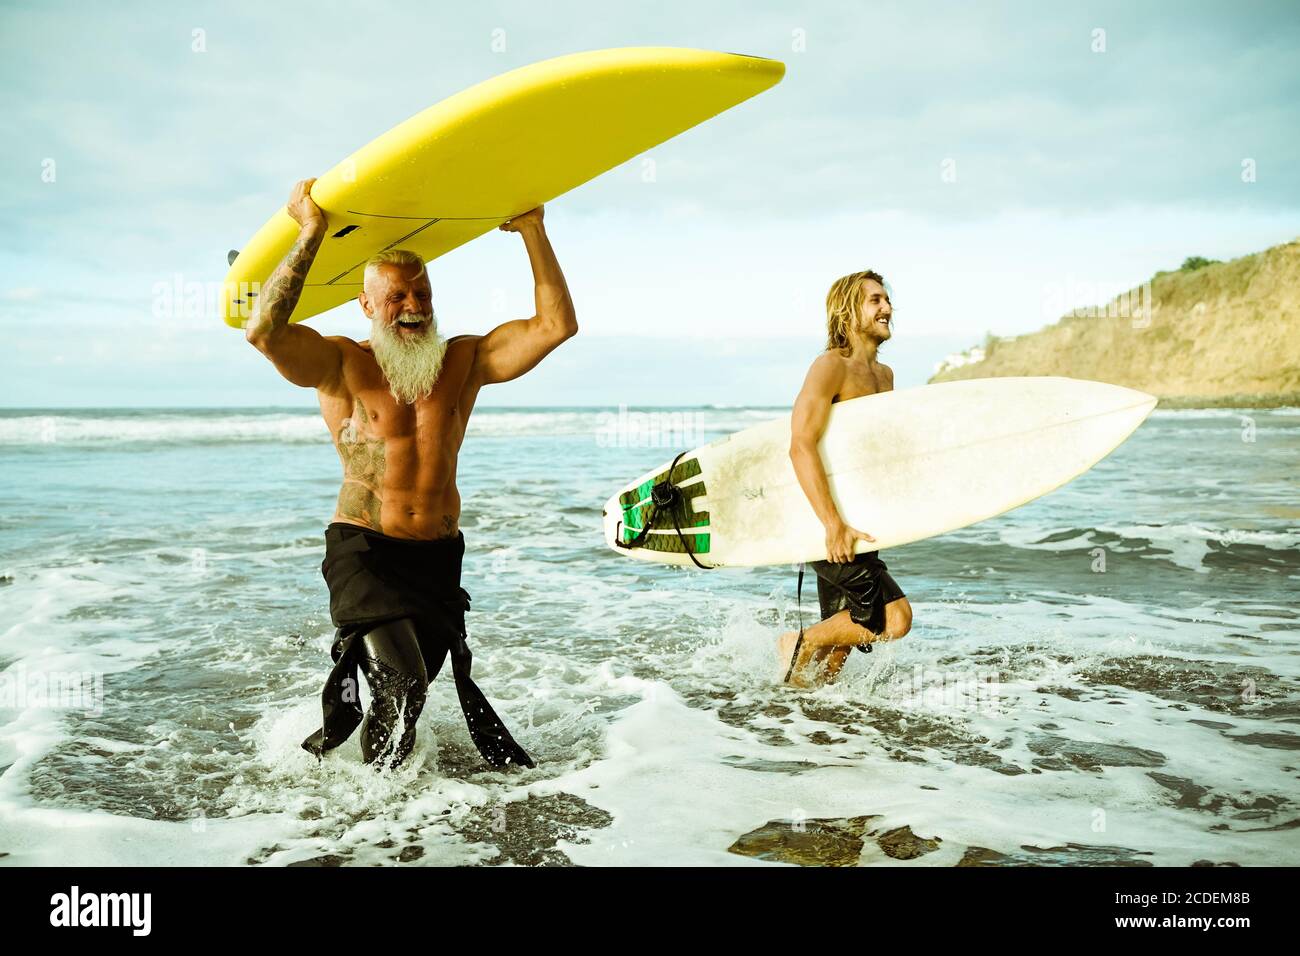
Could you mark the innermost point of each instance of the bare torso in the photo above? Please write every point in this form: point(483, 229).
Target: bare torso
point(863, 377)
point(399, 461)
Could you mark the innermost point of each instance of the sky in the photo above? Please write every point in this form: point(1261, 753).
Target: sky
point(991, 160)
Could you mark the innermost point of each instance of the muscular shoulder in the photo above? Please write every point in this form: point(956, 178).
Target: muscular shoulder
point(830, 360)
point(828, 370)
point(463, 352)
point(823, 382)
point(463, 349)
point(468, 343)
point(342, 341)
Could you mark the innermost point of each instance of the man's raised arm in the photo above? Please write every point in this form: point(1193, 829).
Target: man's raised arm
point(299, 353)
point(514, 348)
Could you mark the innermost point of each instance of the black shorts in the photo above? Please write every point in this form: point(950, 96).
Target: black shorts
point(863, 585)
point(376, 579)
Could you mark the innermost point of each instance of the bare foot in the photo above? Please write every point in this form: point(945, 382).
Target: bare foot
point(785, 645)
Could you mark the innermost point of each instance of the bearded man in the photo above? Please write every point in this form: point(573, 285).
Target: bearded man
point(397, 405)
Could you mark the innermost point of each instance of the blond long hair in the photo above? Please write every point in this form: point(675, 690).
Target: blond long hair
point(843, 303)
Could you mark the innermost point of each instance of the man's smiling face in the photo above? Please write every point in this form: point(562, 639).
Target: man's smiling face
point(404, 330)
point(877, 313)
point(401, 298)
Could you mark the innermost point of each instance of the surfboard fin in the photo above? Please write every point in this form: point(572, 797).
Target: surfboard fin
point(231, 256)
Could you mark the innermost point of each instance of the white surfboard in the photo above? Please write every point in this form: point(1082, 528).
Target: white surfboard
point(902, 466)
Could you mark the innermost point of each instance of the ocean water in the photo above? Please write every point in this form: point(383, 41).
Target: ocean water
point(1110, 674)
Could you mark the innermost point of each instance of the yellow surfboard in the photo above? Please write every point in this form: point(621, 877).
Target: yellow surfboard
point(463, 166)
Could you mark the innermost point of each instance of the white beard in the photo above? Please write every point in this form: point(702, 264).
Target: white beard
point(410, 363)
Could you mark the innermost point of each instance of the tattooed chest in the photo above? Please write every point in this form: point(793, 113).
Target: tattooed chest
point(360, 448)
point(365, 461)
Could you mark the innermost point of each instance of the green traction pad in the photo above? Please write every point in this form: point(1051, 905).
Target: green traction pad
point(636, 503)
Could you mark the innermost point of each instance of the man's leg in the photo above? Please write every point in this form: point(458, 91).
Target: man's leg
point(826, 645)
point(394, 667)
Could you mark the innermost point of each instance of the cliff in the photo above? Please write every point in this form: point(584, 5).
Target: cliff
point(1225, 333)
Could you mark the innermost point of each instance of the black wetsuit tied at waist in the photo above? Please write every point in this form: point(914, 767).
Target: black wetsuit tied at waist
point(374, 578)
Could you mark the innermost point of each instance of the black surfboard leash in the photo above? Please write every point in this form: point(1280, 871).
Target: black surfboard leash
point(664, 494)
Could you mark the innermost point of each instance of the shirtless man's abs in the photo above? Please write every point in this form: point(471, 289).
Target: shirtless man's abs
point(399, 461)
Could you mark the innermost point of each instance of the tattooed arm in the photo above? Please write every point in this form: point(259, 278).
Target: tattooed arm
point(299, 353)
